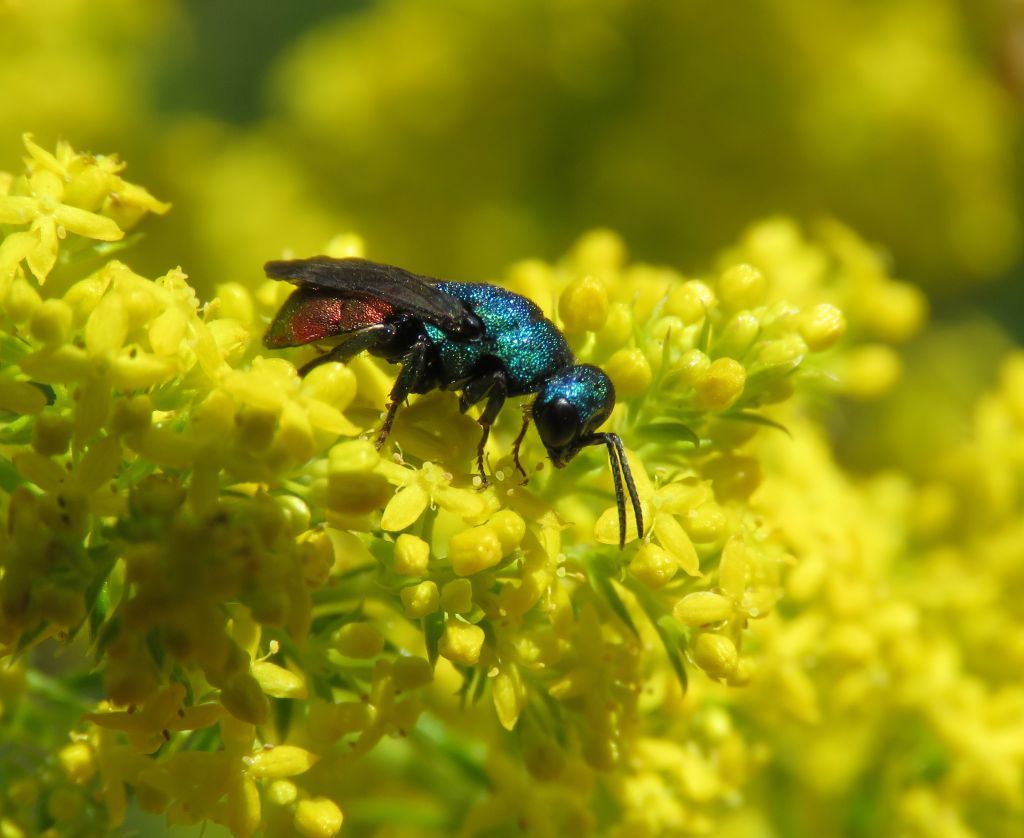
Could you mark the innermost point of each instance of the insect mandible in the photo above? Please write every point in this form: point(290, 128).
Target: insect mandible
point(483, 340)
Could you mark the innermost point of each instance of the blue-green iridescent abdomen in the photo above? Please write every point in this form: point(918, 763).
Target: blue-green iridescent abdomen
point(516, 335)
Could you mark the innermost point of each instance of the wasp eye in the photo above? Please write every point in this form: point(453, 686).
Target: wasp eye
point(558, 422)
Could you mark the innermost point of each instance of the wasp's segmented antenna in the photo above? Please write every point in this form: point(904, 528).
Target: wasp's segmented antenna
point(619, 464)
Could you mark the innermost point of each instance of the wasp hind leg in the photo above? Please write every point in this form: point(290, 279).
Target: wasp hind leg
point(351, 345)
point(414, 364)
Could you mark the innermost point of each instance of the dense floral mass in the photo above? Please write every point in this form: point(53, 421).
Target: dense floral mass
point(219, 602)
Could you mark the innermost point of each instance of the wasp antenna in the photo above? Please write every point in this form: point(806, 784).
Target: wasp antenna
point(620, 471)
point(620, 500)
point(634, 498)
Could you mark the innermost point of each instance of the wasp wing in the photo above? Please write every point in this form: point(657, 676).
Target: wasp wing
point(408, 292)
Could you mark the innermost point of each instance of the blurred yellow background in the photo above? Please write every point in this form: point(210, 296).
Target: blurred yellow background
point(457, 136)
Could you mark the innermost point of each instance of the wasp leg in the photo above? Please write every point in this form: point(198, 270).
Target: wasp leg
point(519, 441)
point(493, 386)
point(351, 345)
point(414, 364)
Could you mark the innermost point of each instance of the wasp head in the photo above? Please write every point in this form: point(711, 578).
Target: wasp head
point(570, 408)
point(568, 411)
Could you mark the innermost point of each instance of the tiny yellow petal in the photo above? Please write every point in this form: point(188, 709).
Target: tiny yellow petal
point(404, 508)
point(703, 607)
point(87, 224)
point(278, 682)
point(670, 535)
point(509, 695)
point(280, 761)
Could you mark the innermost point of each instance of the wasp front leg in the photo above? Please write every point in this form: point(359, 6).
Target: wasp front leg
point(519, 441)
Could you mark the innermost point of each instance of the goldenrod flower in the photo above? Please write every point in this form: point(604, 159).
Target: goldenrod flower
point(280, 616)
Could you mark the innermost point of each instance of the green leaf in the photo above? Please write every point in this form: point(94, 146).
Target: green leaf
point(12, 349)
point(98, 601)
point(28, 638)
point(756, 419)
point(667, 432)
point(704, 340)
point(674, 641)
point(283, 711)
point(603, 585)
point(433, 628)
point(9, 477)
point(16, 431)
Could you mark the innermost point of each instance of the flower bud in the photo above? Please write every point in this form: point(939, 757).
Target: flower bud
point(282, 793)
point(705, 523)
point(821, 326)
point(359, 640)
point(457, 596)
point(630, 372)
point(691, 301)
point(242, 698)
point(411, 672)
point(618, 327)
point(22, 300)
point(510, 528)
point(739, 335)
point(599, 251)
point(132, 414)
point(653, 566)
point(692, 366)
point(715, 654)
point(869, 371)
point(461, 642)
point(235, 302)
point(721, 385)
point(741, 286)
point(583, 305)
point(895, 311)
point(51, 322)
point(167, 331)
point(318, 817)
point(474, 550)
point(412, 555)
point(420, 600)
point(78, 762)
point(332, 383)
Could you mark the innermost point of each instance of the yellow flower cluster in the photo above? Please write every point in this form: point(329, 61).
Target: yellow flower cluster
point(287, 624)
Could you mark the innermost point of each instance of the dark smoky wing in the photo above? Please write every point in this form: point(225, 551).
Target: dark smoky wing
point(408, 292)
